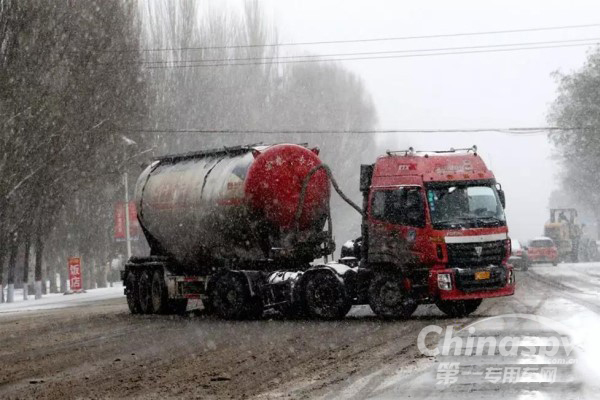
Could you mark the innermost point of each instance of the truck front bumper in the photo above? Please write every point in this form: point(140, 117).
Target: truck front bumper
point(461, 284)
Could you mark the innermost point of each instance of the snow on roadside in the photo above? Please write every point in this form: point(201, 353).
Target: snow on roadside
point(557, 306)
point(578, 281)
point(567, 269)
point(580, 277)
point(60, 300)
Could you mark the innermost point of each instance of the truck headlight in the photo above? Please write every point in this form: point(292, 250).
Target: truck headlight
point(511, 277)
point(444, 281)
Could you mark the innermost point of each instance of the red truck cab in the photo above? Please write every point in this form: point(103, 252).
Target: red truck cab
point(435, 232)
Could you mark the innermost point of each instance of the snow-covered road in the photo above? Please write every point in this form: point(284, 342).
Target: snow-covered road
point(552, 303)
point(60, 300)
point(88, 345)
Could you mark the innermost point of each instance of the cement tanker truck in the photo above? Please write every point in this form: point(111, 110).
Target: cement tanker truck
point(238, 229)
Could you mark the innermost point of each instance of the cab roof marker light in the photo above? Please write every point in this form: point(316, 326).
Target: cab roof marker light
point(411, 151)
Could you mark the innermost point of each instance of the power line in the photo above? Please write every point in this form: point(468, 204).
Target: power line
point(383, 39)
point(371, 57)
point(515, 131)
point(311, 56)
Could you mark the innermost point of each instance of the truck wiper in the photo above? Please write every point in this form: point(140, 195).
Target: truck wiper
point(491, 219)
point(453, 221)
point(488, 220)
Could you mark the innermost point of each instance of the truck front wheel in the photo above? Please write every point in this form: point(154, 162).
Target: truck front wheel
point(388, 297)
point(458, 308)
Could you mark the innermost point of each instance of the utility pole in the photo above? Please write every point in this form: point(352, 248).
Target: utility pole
point(127, 238)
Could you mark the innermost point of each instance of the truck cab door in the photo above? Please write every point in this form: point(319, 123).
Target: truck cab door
point(396, 224)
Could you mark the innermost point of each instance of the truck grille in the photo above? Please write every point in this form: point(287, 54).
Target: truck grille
point(466, 255)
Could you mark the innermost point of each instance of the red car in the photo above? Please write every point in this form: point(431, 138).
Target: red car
point(542, 250)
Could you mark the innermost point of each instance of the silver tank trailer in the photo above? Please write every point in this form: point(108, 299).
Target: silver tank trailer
point(197, 208)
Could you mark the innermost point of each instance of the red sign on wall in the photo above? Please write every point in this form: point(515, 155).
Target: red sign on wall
point(74, 265)
point(120, 221)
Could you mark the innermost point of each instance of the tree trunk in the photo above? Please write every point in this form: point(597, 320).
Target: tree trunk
point(52, 277)
point(103, 275)
point(39, 252)
point(12, 259)
point(87, 271)
point(26, 266)
point(597, 215)
point(2, 258)
point(63, 278)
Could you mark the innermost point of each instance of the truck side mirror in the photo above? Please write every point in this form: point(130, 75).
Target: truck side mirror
point(502, 198)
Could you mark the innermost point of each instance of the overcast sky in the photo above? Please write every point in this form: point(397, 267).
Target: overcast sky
point(507, 89)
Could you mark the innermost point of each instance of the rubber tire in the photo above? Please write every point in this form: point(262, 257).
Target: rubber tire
point(554, 264)
point(159, 293)
point(178, 306)
point(145, 292)
point(325, 297)
point(131, 287)
point(458, 308)
point(386, 306)
point(230, 298)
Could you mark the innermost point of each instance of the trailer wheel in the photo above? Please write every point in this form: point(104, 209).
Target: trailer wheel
point(388, 297)
point(159, 294)
point(230, 298)
point(325, 297)
point(145, 292)
point(458, 308)
point(131, 290)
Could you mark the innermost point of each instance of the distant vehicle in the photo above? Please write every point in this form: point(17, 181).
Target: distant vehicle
point(542, 250)
point(588, 250)
point(565, 232)
point(519, 257)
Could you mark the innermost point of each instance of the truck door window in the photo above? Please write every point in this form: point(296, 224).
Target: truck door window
point(403, 206)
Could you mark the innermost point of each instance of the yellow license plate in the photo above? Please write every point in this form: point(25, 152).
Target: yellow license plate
point(481, 275)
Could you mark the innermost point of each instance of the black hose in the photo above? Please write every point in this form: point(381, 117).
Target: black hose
point(305, 183)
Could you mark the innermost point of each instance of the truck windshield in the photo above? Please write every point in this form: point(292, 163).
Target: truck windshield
point(464, 206)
